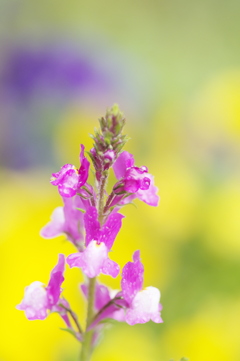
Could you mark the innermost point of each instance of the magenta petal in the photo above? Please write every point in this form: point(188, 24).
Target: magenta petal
point(93, 260)
point(107, 233)
point(56, 226)
point(92, 225)
point(102, 296)
point(111, 268)
point(123, 162)
point(58, 177)
point(55, 282)
point(131, 185)
point(69, 183)
point(145, 183)
point(84, 168)
point(149, 196)
point(81, 156)
point(35, 302)
point(75, 259)
point(132, 278)
point(66, 191)
point(73, 226)
point(110, 229)
point(144, 307)
point(136, 256)
point(90, 260)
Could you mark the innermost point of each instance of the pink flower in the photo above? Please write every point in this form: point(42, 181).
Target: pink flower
point(99, 240)
point(69, 179)
point(35, 302)
point(94, 260)
point(107, 233)
point(67, 220)
point(38, 299)
point(133, 304)
point(143, 304)
point(134, 180)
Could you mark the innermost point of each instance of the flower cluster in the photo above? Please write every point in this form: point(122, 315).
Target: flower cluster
point(90, 219)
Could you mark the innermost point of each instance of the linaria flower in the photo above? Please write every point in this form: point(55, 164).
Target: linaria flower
point(99, 240)
point(94, 260)
point(69, 179)
point(132, 304)
point(67, 220)
point(39, 299)
point(143, 304)
point(134, 180)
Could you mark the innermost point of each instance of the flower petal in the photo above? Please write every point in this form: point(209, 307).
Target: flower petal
point(73, 226)
point(110, 229)
point(92, 225)
point(84, 168)
point(93, 260)
point(69, 183)
point(149, 195)
point(123, 162)
point(144, 307)
point(111, 268)
point(35, 302)
point(56, 226)
point(58, 177)
point(132, 278)
point(55, 282)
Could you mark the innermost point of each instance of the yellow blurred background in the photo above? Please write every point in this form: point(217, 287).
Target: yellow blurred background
point(174, 69)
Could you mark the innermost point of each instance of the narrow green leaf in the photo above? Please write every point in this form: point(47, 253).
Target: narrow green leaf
point(81, 210)
point(69, 330)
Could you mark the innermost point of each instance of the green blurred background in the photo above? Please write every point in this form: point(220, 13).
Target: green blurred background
point(174, 69)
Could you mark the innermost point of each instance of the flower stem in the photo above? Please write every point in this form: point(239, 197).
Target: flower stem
point(88, 335)
point(102, 185)
point(87, 339)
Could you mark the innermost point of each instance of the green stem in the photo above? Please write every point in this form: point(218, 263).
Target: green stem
point(102, 185)
point(87, 337)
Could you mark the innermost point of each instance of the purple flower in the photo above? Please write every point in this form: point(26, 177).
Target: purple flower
point(145, 307)
point(68, 220)
point(134, 180)
point(94, 260)
point(107, 233)
point(143, 304)
point(133, 304)
point(69, 179)
point(35, 302)
point(38, 299)
point(99, 240)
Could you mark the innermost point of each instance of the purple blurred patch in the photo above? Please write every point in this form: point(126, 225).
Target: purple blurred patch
point(36, 85)
point(27, 70)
